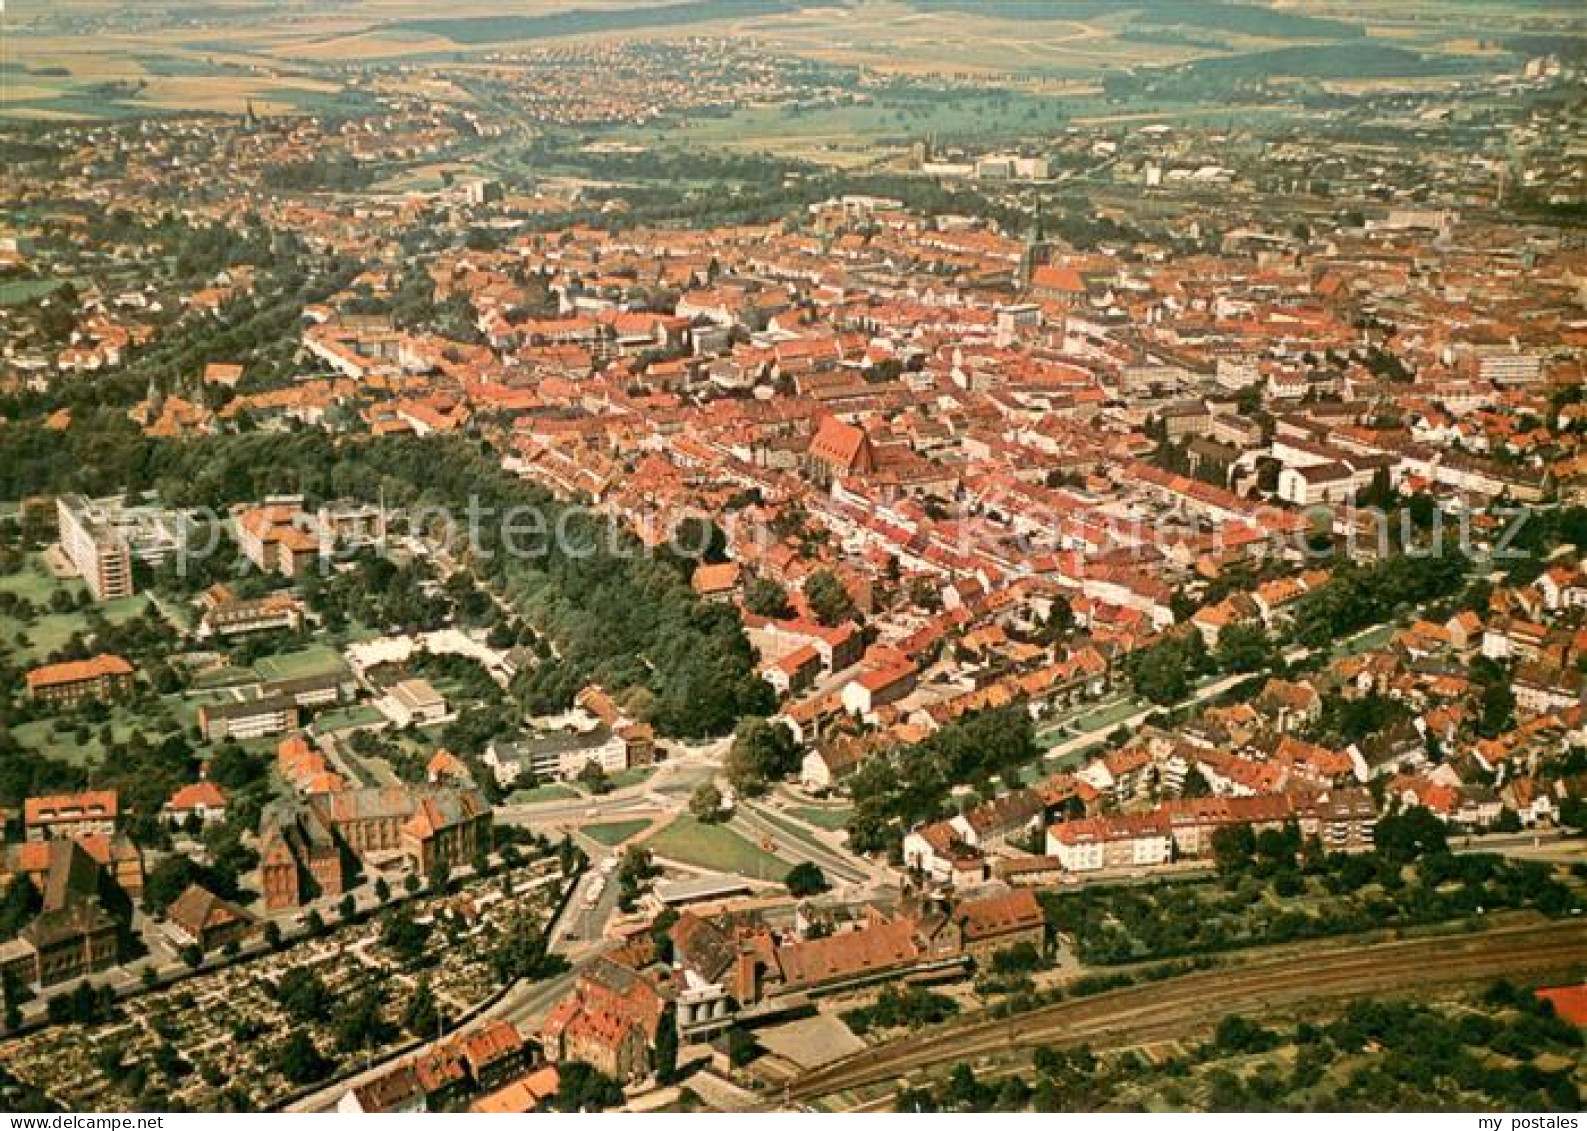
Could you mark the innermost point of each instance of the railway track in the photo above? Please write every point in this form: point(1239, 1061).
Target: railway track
point(1160, 1010)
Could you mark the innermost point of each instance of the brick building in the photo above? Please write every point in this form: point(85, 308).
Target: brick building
point(71, 815)
point(103, 677)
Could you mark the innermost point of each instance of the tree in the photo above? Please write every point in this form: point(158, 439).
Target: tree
point(1233, 847)
point(665, 1056)
point(300, 1061)
point(699, 541)
point(302, 994)
point(1162, 672)
point(1196, 784)
point(1021, 958)
point(635, 869)
point(423, 1017)
point(765, 598)
point(925, 594)
point(593, 778)
point(762, 751)
point(404, 935)
point(1403, 837)
point(167, 880)
point(1498, 710)
point(1060, 620)
point(522, 952)
point(706, 803)
point(346, 907)
point(360, 1022)
point(805, 879)
point(582, 1088)
point(828, 599)
point(234, 768)
point(1246, 648)
point(18, 907)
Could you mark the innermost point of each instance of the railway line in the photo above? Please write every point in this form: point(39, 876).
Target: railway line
point(1161, 1010)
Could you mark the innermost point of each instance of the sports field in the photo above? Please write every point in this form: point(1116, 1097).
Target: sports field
point(306, 664)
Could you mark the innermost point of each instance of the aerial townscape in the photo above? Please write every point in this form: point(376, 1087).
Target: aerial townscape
point(793, 555)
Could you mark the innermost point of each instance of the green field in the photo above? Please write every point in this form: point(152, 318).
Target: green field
point(831, 819)
point(551, 791)
point(21, 290)
point(1100, 718)
point(316, 661)
point(625, 778)
point(223, 676)
point(345, 718)
point(50, 632)
point(615, 833)
point(42, 737)
point(688, 841)
point(822, 134)
point(35, 583)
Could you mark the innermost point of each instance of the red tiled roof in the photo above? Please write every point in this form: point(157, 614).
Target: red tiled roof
point(77, 671)
point(1570, 1002)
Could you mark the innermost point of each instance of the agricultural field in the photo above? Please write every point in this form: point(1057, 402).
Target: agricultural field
point(100, 60)
point(850, 135)
point(15, 291)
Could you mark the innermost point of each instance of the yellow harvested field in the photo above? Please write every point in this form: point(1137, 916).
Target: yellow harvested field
point(225, 94)
point(367, 45)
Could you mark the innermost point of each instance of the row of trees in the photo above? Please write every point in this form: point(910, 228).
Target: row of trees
point(894, 791)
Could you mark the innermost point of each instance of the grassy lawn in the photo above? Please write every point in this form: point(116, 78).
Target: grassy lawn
point(721, 850)
point(1099, 719)
point(551, 791)
point(345, 718)
point(1375, 638)
point(35, 583)
point(787, 828)
point(615, 833)
point(634, 776)
point(41, 737)
point(315, 661)
point(51, 632)
point(185, 706)
point(831, 819)
point(223, 676)
point(21, 290)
